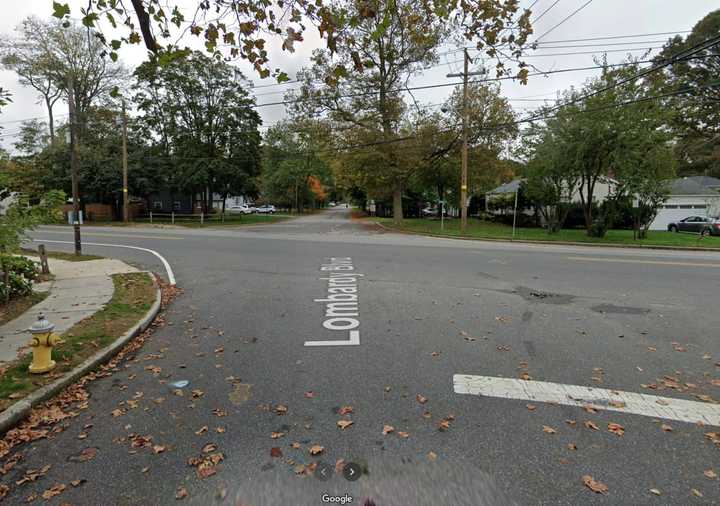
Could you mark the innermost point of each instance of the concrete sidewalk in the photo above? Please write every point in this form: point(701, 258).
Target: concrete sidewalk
point(79, 290)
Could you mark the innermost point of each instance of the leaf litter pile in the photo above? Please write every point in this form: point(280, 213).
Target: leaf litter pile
point(43, 422)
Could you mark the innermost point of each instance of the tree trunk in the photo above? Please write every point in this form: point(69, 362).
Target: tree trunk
point(441, 196)
point(397, 205)
point(51, 120)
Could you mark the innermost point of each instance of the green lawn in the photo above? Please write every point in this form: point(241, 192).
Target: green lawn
point(231, 220)
point(134, 295)
point(485, 230)
point(62, 255)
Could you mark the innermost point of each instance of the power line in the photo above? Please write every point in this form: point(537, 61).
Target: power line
point(612, 37)
point(573, 13)
point(545, 12)
point(623, 50)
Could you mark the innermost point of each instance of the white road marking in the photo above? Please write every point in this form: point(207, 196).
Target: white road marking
point(113, 234)
point(574, 395)
point(353, 341)
point(651, 262)
point(168, 269)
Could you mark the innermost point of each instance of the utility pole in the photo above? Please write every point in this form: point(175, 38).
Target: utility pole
point(464, 175)
point(464, 168)
point(74, 165)
point(126, 198)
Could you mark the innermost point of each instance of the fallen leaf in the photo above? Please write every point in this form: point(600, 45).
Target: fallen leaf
point(710, 474)
point(181, 493)
point(696, 492)
point(82, 435)
point(276, 435)
point(591, 425)
point(388, 388)
point(525, 376)
point(617, 404)
point(77, 483)
point(655, 491)
point(299, 469)
point(281, 409)
point(435, 354)
point(220, 430)
point(310, 394)
point(595, 486)
point(616, 428)
point(662, 402)
point(444, 425)
point(344, 424)
point(158, 449)
point(316, 449)
point(339, 465)
point(220, 412)
point(503, 319)
point(403, 434)
point(346, 410)
point(85, 455)
point(666, 427)
point(652, 348)
point(387, 429)
point(209, 448)
point(549, 430)
point(571, 423)
point(144, 470)
point(56, 489)
point(196, 394)
point(572, 446)
point(432, 456)
point(421, 399)
point(202, 430)
point(275, 452)
point(589, 409)
point(117, 412)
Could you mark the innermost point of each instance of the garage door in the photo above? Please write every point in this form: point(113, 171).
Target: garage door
point(667, 216)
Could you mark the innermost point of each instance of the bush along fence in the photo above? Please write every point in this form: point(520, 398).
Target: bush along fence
point(18, 274)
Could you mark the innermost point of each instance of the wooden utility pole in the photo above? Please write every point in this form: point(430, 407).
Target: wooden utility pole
point(126, 198)
point(74, 165)
point(464, 175)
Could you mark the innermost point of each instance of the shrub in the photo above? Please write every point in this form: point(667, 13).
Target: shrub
point(21, 272)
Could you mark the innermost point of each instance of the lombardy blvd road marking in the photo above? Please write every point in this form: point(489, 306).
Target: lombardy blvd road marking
point(599, 398)
point(341, 309)
point(649, 262)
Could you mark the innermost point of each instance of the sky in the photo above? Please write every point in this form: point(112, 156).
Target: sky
point(630, 21)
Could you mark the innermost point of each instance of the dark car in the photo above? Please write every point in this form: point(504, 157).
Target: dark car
point(696, 224)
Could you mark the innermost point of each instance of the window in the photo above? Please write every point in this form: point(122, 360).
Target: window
point(157, 205)
point(686, 206)
point(672, 206)
point(701, 206)
point(177, 205)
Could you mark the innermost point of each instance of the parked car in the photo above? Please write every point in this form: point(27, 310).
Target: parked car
point(696, 224)
point(266, 209)
point(242, 208)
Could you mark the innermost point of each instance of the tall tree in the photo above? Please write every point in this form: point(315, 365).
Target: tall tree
point(697, 123)
point(203, 115)
point(497, 27)
point(26, 54)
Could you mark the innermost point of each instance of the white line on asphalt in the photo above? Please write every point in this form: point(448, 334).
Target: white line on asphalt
point(168, 269)
point(353, 341)
point(652, 262)
point(113, 234)
point(600, 398)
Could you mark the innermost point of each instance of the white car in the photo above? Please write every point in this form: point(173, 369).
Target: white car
point(266, 209)
point(243, 208)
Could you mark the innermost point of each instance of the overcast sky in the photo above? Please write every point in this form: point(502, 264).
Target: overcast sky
point(600, 18)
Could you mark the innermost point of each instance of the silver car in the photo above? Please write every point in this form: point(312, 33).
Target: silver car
point(702, 225)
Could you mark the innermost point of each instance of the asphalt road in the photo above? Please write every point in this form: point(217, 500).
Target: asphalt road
point(428, 309)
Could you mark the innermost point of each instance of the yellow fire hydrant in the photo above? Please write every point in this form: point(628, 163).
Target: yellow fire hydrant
point(42, 343)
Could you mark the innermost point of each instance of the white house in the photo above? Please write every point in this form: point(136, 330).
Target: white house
point(689, 196)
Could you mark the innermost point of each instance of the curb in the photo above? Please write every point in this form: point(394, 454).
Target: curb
point(21, 409)
point(561, 243)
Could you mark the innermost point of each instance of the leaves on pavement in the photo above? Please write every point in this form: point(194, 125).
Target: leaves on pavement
point(403, 434)
point(310, 394)
point(84, 456)
point(549, 430)
point(666, 427)
point(616, 428)
point(56, 489)
point(432, 456)
point(276, 452)
point(276, 435)
point(181, 493)
point(202, 430)
point(344, 424)
point(209, 448)
point(696, 492)
point(594, 485)
point(387, 429)
point(281, 409)
point(421, 399)
point(591, 425)
point(345, 410)
point(655, 491)
point(711, 474)
point(316, 449)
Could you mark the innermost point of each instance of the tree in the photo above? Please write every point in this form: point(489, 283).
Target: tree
point(551, 176)
point(28, 56)
point(203, 118)
point(294, 169)
point(497, 27)
point(46, 55)
point(697, 124)
point(32, 138)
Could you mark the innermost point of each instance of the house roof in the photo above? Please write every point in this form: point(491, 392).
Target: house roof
point(693, 186)
point(707, 181)
point(510, 187)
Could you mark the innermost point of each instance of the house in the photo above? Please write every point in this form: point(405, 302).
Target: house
point(168, 202)
point(689, 196)
point(506, 192)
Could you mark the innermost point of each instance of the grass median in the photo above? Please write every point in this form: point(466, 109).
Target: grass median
point(485, 230)
point(62, 255)
point(134, 295)
point(16, 307)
